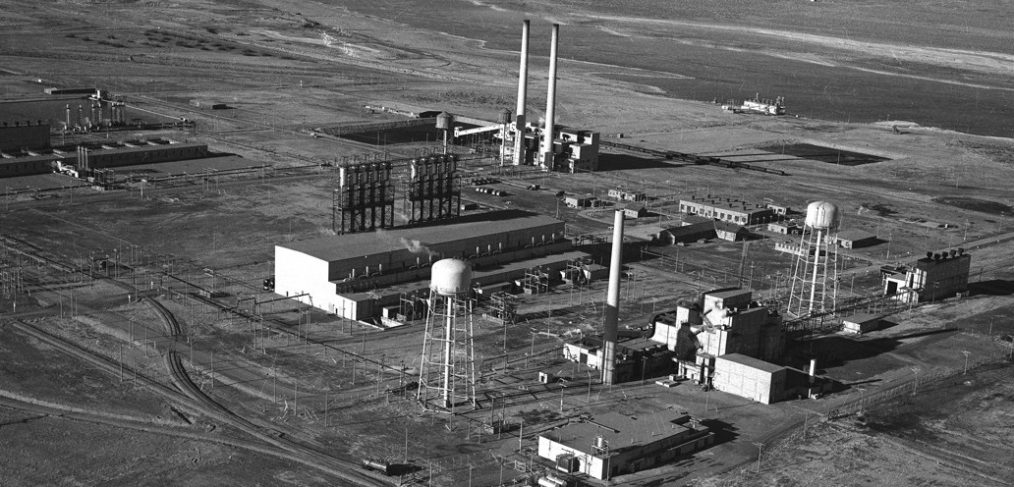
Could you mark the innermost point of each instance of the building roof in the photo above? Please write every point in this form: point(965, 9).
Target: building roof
point(862, 318)
point(724, 294)
point(733, 205)
point(926, 262)
point(620, 431)
point(341, 247)
point(751, 362)
point(694, 229)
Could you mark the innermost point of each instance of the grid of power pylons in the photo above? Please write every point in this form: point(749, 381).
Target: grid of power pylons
point(364, 197)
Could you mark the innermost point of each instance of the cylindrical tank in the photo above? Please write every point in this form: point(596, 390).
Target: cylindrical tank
point(821, 215)
point(451, 277)
point(504, 117)
point(444, 121)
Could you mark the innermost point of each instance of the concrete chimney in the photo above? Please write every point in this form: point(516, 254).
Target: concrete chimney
point(67, 108)
point(547, 134)
point(520, 152)
point(523, 71)
point(613, 303)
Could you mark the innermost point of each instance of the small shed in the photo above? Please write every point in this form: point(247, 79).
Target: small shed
point(854, 239)
point(687, 233)
point(579, 201)
point(784, 228)
point(861, 323)
point(730, 231)
point(635, 211)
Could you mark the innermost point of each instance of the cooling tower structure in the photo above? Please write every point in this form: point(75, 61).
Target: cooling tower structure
point(814, 290)
point(447, 364)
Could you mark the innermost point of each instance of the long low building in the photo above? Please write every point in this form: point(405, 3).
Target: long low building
point(100, 156)
point(322, 271)
point(614, 444)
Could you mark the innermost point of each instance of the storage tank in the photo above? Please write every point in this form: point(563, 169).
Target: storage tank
point(451, 277)
point(504, 117)
point(821, 215)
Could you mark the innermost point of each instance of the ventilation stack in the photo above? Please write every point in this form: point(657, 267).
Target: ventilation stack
point(609, 335)
point(548, 158)
point(447, 364)
point(520, 150)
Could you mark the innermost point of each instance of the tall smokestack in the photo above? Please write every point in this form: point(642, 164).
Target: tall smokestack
point(523, 71)
point(547, 134)
point(519, 121)
point(67, 108)
point(613, 302)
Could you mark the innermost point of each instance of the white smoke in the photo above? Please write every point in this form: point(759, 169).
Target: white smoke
point(416, 247)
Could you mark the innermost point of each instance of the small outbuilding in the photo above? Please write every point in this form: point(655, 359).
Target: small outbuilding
point(861, 323)
point(854, 239)
point(730, 231)
point(635, 211)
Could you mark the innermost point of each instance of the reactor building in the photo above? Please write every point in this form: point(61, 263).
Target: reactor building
point(355, 275)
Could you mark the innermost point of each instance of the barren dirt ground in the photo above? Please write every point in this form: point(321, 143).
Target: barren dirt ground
point(295, 383)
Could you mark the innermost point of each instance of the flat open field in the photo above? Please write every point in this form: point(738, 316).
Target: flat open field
point(135, 319)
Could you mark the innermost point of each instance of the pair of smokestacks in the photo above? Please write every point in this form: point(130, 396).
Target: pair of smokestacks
point(545, 156)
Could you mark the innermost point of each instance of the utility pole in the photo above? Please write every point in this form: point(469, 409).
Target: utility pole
point(760, 451)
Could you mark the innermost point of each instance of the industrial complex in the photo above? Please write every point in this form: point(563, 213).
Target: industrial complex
point(296, 250)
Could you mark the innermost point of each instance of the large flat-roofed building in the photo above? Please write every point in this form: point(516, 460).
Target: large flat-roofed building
point(613, 444)
point(333, 273)
point(17, 136)
point(729, 210)
point(91, 156)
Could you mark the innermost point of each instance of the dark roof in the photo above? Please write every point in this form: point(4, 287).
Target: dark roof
point(862, 318)
point(696, 228)
point(340, 247)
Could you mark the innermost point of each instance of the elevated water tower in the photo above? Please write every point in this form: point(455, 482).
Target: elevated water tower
point(447, 364)
point(813, 288)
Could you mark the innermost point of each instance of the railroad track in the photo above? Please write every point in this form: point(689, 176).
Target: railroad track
point(312, 455)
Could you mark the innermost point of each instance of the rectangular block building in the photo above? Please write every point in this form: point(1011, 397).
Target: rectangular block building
point(335, 273)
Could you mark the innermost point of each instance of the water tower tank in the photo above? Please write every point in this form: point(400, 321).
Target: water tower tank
point(504, 117)
point(444, 121)
point(451, 277)
point(821, 215)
